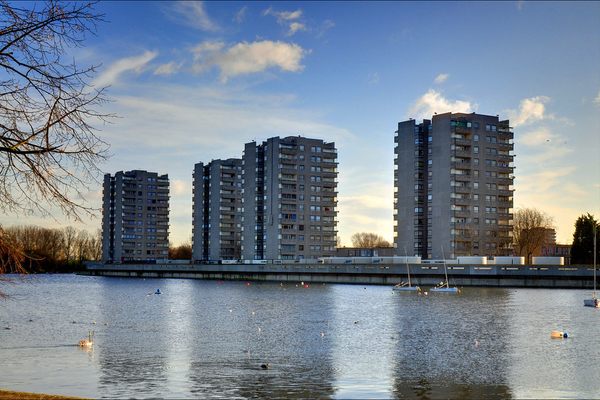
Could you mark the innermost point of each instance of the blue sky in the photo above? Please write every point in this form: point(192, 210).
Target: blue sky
point(195, 81)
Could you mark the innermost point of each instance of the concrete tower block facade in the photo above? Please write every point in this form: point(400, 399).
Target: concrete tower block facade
point(289, 199)
point(216, 210)
point(453, 186)
point(135, 217)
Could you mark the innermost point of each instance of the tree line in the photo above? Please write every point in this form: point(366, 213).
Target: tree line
point(50, 250)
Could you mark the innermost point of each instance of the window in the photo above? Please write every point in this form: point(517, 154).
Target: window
point(476, 149)
point(476, 138)
point(475, 209)
point(475, 185)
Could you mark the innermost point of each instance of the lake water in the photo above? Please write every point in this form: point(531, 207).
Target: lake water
point(209, 339)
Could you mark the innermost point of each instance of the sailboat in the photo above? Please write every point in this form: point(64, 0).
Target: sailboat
point(406, 286)
point(444, 287)
point(594, 301)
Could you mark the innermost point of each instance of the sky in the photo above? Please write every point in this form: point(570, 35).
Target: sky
point(194, 81)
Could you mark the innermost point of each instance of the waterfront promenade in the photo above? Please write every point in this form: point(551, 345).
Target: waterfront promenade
point(540, 276)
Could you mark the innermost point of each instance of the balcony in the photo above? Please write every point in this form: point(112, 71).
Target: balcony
point(466, 152)
point(462, 141)
point(506, 146)
point(461, 213)
point(461, 189)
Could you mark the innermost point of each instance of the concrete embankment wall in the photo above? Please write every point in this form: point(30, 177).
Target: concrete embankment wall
point(421, 274)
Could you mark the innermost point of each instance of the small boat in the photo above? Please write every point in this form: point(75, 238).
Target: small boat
point(406, 286)
point(157, 291)
point(444, 287)
point(594, 301)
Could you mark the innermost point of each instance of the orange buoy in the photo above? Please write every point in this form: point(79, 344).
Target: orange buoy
point(558, 335)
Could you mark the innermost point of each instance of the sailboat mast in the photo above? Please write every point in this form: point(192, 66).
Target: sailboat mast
point(445, 272)
point(594, 260)
point(407, 267)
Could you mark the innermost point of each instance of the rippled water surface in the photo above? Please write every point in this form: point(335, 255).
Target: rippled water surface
point(209, 339)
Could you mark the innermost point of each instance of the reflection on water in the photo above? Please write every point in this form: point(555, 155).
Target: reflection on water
point(458, 350)
point(209, 339)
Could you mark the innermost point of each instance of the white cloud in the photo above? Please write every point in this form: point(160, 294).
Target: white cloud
point(136, 63)
point(193, 14)
point(441, 78)
point(597, 99)
point(530, 110)
point(433, 102)
point(167, 69)
point(247, 58)
point(240, 15)
point(287, 19)
point(295, 27)
point(283, 15)
point(537, 137)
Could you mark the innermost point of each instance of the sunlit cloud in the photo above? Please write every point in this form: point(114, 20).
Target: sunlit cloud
point(530, 110)
point(537, 137)
point(192, 14)
point(136, 64)
point(441, 78)
point(247, 58)
point(434, 102)
point(288, 19)
point(167, 69)
point(296, 27)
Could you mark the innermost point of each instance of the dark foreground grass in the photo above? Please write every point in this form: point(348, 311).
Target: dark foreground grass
point(10, 395)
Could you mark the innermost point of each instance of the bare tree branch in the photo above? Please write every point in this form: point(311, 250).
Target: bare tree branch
point(49, 147)
point(368, 240)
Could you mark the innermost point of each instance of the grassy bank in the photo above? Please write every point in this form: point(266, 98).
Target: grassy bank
point(10, 395)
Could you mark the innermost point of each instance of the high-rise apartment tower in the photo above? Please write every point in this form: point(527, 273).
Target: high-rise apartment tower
point(453, 183)
point(135, 217)
point(289, 199)
point(217, 210)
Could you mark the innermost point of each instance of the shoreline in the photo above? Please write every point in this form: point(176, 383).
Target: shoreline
point(6, 394)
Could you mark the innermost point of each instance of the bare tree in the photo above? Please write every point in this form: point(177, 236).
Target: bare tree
point(49, 150)
point(181, 252)
point(530, 231)
point(70, 243)
point(368, 240)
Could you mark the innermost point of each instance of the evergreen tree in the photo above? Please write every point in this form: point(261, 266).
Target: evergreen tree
point(582, 250)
